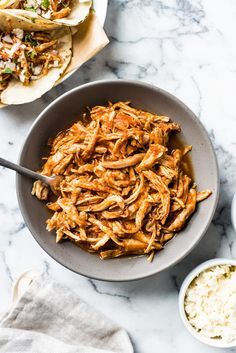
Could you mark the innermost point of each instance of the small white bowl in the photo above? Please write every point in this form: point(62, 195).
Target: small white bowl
point(233, 212)
point(185, 285)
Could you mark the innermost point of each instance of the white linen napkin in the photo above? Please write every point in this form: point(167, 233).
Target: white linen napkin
point(50, 318)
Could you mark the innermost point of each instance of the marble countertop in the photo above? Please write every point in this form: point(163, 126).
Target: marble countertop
point(188, 48)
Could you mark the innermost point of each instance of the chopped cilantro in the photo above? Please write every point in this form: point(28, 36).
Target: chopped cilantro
point(33, 54)
point(28, 38)
point(7, 70)
point(30, 9)
point(33, 20)
point(45, 3)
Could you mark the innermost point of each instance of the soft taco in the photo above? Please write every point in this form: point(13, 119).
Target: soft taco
point(53, 13)
point(31, 61)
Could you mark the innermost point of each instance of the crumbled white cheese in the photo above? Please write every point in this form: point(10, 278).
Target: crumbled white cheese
point(14, 48)
point(34, 78)
point(22, 76)
point(37, 70)
point(47, 15)
point(18, 32)
point(210, 303)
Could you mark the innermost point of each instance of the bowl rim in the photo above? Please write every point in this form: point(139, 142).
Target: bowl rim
point(118, 82)
point(183, 289)
point(233, 212)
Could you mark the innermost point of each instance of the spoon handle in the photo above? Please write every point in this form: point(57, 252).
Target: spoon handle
point(19, 169)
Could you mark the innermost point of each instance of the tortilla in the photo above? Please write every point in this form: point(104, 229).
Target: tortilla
point(87, 42)
point(79, 12)
point(16, 92)
point(26, 20)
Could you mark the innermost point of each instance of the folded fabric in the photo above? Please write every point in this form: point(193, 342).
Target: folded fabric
point(50, 318)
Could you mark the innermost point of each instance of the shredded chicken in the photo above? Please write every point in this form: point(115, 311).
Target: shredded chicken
point(49, 9)
point(124, 189)
point(26, 56)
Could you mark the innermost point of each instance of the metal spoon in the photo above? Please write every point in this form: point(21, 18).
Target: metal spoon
point(53, 181)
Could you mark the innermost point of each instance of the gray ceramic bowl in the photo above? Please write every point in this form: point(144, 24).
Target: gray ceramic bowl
point(63, 112)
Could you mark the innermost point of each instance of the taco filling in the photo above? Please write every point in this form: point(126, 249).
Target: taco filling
point(49, 9)
point(26, 56)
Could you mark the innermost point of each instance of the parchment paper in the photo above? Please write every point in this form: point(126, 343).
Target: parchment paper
point(89, 39)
